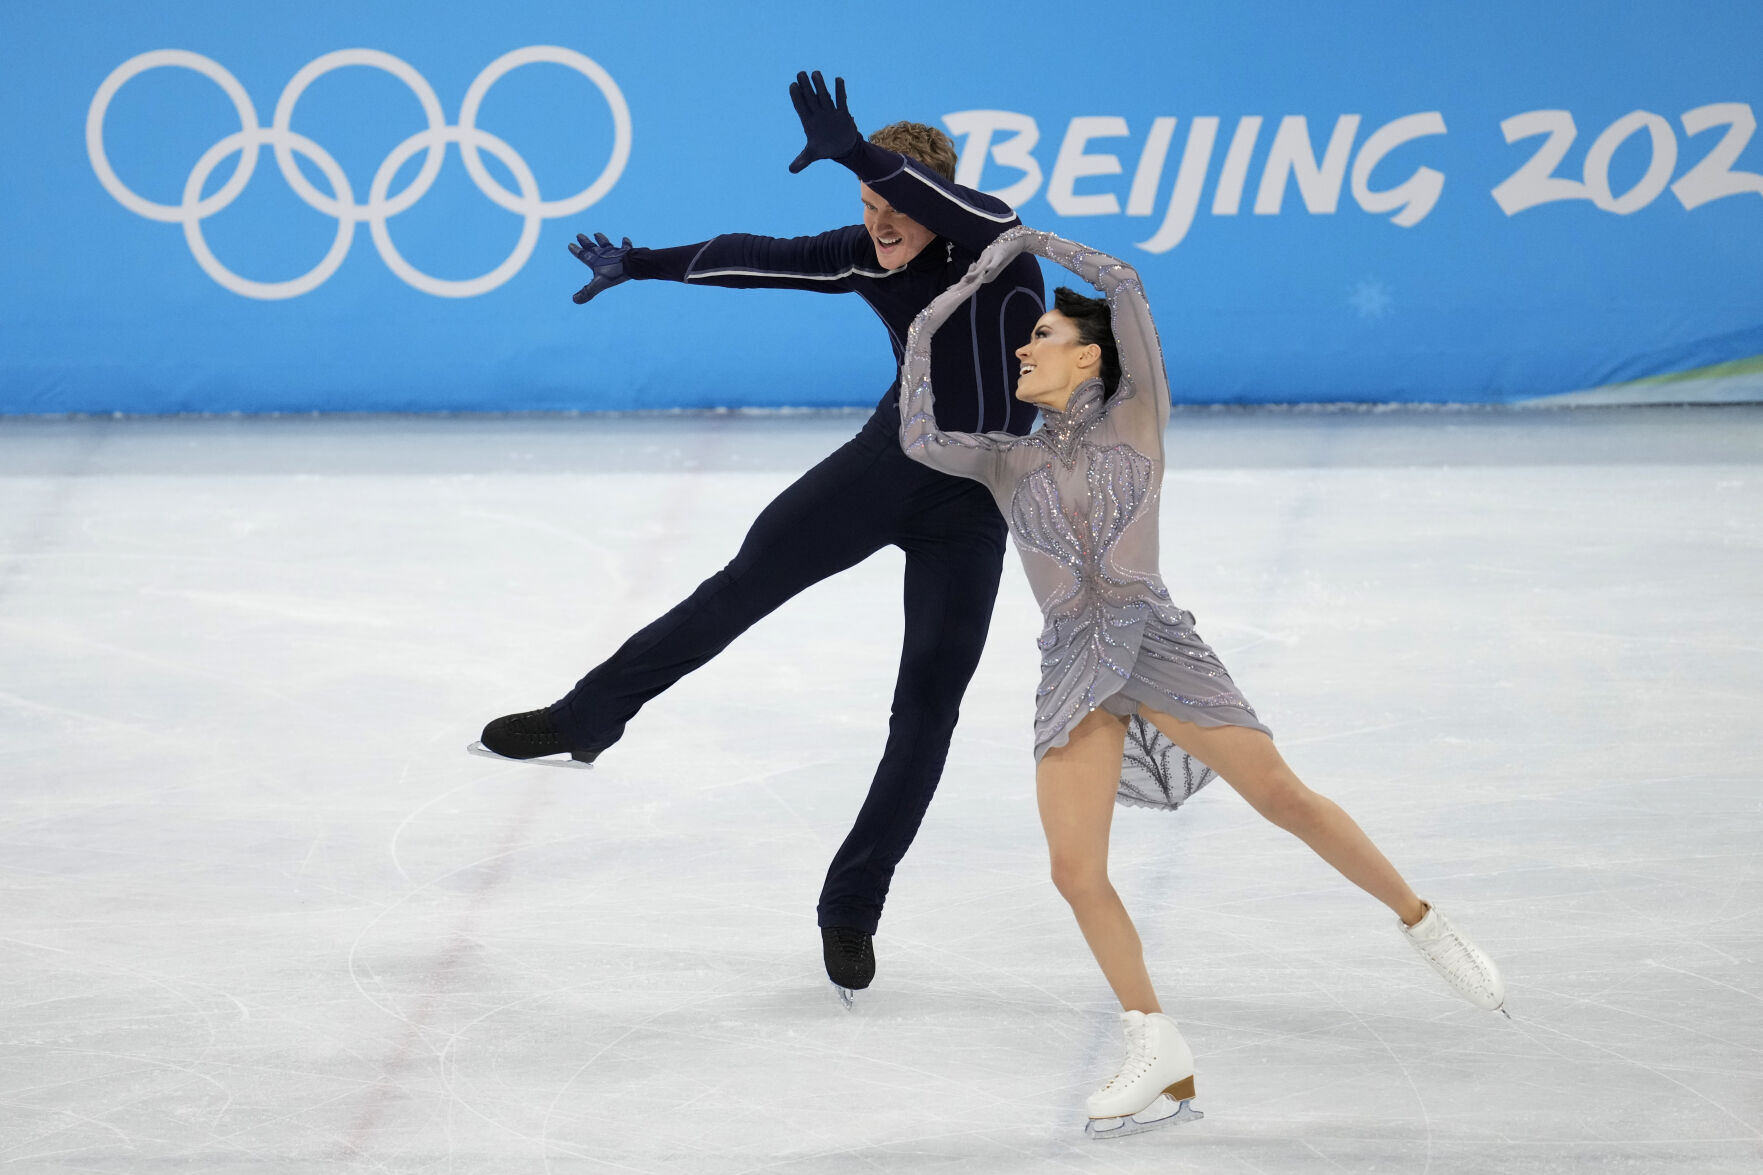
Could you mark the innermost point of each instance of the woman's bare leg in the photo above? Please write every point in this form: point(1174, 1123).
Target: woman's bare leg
point(1075, 785)
point(1248, 761)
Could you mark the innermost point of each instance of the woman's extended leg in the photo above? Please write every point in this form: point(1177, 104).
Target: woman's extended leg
point(1248, 761)
point(1075, 785)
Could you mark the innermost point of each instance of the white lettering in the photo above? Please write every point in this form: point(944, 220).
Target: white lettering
point(1008, 138)
point(1536, 182)
point(1648, 187)
point(1196, 158)
point(1073, 164)
point(1417, 194)
point(1292, 156)
point(1229, 196)
point(979, 126)
point(1142, 199)
point(1714, 177)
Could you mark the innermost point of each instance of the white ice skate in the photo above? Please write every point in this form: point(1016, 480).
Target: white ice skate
point(1155, 1085)
point(1449, 952)
point(478, 748)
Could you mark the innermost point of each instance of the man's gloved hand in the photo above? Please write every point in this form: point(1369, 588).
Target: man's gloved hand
point(828, 124)
point(605, 259)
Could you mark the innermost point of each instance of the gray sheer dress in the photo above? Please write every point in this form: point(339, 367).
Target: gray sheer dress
point(1081, 495)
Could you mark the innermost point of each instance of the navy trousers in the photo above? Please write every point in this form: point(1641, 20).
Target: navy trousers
point(866, 495)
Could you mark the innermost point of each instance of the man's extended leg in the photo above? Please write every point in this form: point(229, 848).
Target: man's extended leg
point(951, 582)
point(831, 518)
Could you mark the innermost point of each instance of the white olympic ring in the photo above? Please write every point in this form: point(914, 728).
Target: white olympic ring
point(381, 204)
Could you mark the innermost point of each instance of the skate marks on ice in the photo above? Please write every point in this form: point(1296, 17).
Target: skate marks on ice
point(256, 910)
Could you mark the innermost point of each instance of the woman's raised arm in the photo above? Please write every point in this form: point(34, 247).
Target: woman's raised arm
point(979, 455)
point(1143, 395)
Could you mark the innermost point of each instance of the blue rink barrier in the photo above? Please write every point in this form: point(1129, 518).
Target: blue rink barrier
point(214, 207)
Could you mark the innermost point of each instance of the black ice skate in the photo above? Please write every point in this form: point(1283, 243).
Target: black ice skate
point(529, 738)
point(850, 960)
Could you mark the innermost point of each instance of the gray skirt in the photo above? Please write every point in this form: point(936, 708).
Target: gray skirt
point(1176, 673)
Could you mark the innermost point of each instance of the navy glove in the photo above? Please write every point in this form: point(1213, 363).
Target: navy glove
point(605, 259)
point(829, 126)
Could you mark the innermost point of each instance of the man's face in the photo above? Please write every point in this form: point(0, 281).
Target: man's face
point(898, 238)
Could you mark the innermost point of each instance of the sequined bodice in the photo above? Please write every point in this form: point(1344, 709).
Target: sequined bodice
point(1080, 492)
point(1073, 509)
point(1081, 495)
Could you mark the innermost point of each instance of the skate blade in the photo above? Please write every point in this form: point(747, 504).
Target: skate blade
point(1162, 1112)
point(486, 752)
point(847, 996)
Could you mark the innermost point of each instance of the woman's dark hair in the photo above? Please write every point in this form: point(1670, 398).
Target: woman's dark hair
point(1093, 326)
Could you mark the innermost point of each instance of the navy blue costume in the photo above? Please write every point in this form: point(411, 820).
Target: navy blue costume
point(866, 495)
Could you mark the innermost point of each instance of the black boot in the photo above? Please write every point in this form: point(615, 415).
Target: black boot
point(531, 735)
point(850, 958)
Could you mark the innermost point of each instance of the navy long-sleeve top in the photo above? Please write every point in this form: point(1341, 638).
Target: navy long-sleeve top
point(973, 355)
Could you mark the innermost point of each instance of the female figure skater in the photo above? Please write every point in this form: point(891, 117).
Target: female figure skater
point(1119, 659)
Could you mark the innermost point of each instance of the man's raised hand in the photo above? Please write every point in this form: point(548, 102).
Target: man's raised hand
point(605, 259)
point(828, 124)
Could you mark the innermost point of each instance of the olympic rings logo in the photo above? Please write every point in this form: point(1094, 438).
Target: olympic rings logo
point(382, 204)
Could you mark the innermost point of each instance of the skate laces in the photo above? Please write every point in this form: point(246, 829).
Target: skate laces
point(847, 940)
point(1138, 1055)
point(1451, 955)
point(1459, 962)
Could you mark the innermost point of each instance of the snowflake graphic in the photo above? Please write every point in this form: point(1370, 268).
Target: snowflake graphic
point(1370, 300)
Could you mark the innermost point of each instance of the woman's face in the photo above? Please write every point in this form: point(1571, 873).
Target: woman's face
point(1054, 362)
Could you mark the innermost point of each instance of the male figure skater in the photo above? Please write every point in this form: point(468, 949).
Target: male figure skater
point(920, 232)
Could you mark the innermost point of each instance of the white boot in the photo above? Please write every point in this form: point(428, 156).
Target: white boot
point(1158, 1063)
point(1460, 961)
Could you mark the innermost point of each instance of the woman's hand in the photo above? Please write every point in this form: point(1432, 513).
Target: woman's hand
point(1001, 253)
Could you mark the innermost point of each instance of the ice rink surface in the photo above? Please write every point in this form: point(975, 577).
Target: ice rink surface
point(260, 913)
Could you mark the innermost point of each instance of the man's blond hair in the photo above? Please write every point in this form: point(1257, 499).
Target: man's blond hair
point(926, 144)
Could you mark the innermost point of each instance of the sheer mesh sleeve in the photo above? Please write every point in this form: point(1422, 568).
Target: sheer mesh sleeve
point(1140, 407)
point(979, 455)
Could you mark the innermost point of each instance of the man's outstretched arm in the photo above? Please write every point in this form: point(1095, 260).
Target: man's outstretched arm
point(823, 263)
point(970, 218)
point(605, 259)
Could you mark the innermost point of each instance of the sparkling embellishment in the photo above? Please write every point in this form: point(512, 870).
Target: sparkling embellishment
point(1081, 496)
